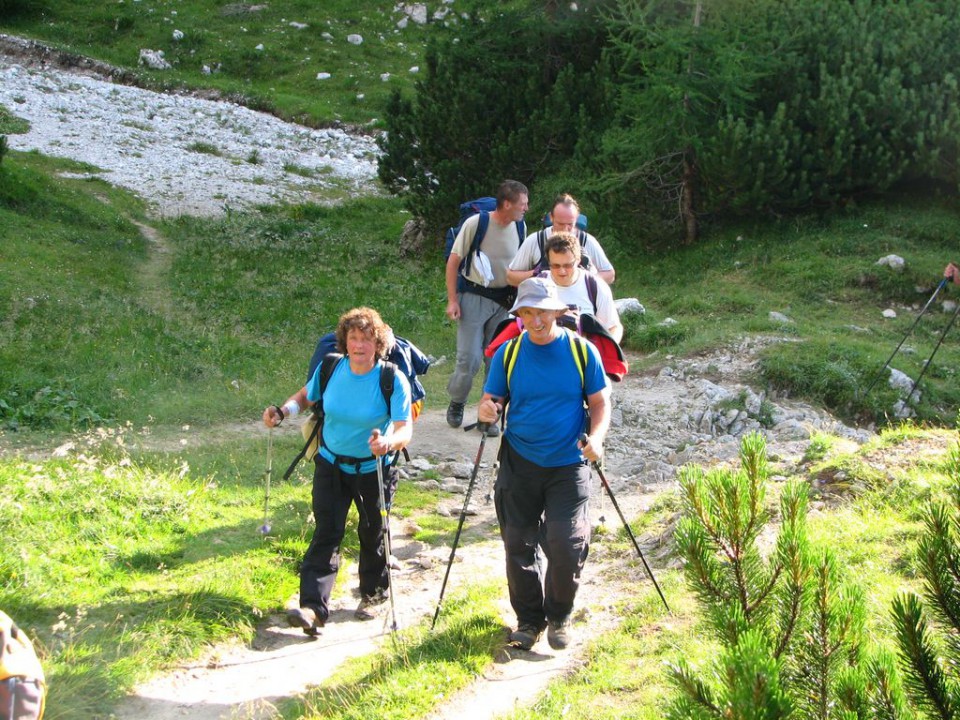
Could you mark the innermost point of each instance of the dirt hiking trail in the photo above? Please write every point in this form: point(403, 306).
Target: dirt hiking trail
point(661, 420)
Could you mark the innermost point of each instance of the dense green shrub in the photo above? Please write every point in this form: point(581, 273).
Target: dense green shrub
point(778, 104)
point(13, 8)
point(509, 95)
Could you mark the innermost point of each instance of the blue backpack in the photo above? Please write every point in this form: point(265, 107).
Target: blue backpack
point(408, 358)
point(482, 206)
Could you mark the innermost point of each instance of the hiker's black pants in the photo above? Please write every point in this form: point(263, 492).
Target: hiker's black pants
point(543, 515)
point(333, 493)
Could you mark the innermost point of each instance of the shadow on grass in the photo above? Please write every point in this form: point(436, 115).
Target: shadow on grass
point(94, 657)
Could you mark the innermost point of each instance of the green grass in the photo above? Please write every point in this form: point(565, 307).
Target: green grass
point(11, 124)
point(822, 274)
point(224, 37)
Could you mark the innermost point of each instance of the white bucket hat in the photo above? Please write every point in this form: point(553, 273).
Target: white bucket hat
point(538, 293)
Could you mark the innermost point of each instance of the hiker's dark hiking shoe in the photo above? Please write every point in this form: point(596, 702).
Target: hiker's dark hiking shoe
point(306, 619)
point(524, 637)
point(370, 607)
point(559, 634)
point(455, 414)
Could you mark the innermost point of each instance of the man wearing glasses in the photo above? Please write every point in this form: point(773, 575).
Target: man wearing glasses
point(581, 292)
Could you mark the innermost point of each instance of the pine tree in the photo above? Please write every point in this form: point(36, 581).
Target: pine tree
point(932, 678)
point(790, 626)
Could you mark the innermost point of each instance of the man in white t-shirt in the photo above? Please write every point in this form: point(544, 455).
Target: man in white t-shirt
point(583, 292)
point(563, 216)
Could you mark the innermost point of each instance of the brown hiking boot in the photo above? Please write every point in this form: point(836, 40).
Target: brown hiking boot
point(525, 636)
point(306, 619)
point(370, 607)
point(559, 634)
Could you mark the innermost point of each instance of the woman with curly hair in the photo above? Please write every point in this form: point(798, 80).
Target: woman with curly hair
point(358, 428)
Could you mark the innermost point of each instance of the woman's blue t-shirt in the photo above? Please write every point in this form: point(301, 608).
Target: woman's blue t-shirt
point(545, 415)
point(353, 406)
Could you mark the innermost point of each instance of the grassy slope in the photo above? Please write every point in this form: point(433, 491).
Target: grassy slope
point(281, 77)
point(247, 296)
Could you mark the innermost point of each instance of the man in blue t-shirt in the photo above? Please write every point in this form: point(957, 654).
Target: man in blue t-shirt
point(543, 484)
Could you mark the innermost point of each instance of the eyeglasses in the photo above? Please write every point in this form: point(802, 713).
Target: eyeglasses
point(562, 266)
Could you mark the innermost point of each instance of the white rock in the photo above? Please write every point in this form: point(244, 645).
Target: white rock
point(355, 39)
point(416, 12)
point(779, 317)
point(326, 36)
point(894, 262)
point(949, 306)
point(299, 25)
point(323, 76)
point(901, 410)
point(890, 313)
point(415, 69)
point(205, 70)
point(360, 96)
point(403, 22)
point(625, 306)
point(153, 59)
point(384, 77)
point(667, 322)
point(900, 381)
point(177, 35)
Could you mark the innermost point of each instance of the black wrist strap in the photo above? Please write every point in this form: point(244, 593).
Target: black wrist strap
point(279, 412)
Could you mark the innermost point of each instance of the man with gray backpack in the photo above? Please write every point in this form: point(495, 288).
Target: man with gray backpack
point(478, 294)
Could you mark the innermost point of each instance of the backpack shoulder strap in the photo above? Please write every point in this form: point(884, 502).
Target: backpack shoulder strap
point(592, 289)
point(579, 349)
point(388, 371)
point(582, 234)
point(510, 356)
point(483, 222)
point(327, 366)
point(521, 232)
point(541, 244)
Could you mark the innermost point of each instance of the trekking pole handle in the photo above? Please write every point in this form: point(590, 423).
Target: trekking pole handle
point(584, 439)
point(484, 426)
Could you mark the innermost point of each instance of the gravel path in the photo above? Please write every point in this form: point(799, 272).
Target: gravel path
point(184, 155)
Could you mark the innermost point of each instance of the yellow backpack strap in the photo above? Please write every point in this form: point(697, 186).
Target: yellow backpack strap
point(579, 350)
point(510, 356)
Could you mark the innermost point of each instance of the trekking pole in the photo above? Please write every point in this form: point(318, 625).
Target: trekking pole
point(626, 525)
point(876, 377)
point(930, 359)
point(265, 528)
point(463, 516)
point(388, 551)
